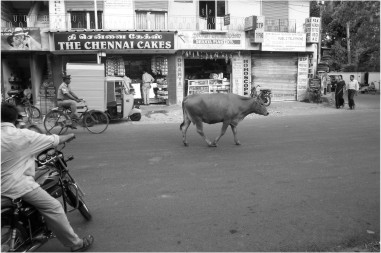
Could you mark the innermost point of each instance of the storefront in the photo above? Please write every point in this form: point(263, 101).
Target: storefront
point(282, 65)
point(123, 54)
point(24, 61)
point(210, 63)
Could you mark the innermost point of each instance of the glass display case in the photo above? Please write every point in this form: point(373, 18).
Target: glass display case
point(208, 86)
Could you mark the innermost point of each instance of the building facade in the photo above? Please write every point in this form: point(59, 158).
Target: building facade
point(213, 46)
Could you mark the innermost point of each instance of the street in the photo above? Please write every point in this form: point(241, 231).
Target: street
point(298, 182)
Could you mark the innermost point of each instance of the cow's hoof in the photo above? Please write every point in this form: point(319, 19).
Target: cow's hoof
point(214, 145)
point(238, 143)
point(185, 144)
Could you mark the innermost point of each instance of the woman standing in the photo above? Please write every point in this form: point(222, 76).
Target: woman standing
point(339, 92)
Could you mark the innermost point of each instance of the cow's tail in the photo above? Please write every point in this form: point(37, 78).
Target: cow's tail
point(182, 124)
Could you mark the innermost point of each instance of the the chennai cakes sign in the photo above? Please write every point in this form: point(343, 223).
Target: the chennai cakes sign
point(113, 40)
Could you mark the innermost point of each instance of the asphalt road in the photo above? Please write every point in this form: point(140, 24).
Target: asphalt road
point(302, 182)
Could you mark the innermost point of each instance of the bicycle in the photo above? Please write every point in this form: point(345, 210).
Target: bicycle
point(31, 111)
point(58, 120)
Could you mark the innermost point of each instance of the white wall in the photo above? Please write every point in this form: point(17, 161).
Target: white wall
point(374, 77)
point(359, 76)
point(299, 10)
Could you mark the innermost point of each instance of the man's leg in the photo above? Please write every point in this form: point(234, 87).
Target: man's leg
point(54, 215)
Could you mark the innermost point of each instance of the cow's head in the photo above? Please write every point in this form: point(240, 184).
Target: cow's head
point(258, 107)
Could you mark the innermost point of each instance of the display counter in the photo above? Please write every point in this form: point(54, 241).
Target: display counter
point(208, 86)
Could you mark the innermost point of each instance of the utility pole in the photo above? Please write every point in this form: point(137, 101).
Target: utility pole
point(348, 42)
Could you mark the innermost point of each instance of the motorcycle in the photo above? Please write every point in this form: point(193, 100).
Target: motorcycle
point(315, 94)
point(22, 227)
point(264, 94)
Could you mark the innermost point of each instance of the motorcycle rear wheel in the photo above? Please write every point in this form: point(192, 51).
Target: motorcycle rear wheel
point(6, 236)
point(266, 100)
point(82, 207)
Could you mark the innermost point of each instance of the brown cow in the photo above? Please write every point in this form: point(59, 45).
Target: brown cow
point(213, 108)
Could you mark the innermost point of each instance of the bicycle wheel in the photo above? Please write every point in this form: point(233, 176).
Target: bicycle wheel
point(35, 112)
point(96, 121)
point(55, 122)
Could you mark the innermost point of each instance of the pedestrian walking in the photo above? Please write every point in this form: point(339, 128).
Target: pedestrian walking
point(324, 82)
point(147, 80)
point(339, 92)
point(353, 88)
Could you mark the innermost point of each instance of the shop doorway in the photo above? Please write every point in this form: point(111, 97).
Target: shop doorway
point(196, 69)
point(16, 72)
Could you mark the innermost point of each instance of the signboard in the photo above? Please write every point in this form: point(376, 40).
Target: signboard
point(237, 73)
point(273, 41)
point(179, 79)
point(198, 40)
point(302, 79)
point(113, 40)
point(246, 76)
point(313, 30)
point(23, 39)
point(227, 19)
point(57, 15)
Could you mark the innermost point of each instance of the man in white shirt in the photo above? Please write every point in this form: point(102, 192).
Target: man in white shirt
point(147, 79)
point(352, 87)
point(18, 150)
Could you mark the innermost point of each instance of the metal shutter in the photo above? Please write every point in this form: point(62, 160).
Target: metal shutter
point(275, 9)
point(155, 5)
point(276, 71)
point(83, 5)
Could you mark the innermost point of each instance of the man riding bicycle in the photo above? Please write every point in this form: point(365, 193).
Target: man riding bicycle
point(66, 98)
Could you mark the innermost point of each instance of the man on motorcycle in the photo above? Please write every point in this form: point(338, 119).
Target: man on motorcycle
point(18, 149)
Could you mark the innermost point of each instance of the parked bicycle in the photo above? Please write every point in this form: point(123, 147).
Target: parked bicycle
point(32, 112)
point(58, 120)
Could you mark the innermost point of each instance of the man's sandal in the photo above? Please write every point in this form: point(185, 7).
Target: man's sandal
point(87, 242)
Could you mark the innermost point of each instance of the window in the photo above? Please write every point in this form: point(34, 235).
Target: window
point(212, 12)
point(85, 20)
point(153, 20)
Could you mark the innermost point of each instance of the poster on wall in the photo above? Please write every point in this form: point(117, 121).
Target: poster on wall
point(23, 39)
point(57, 16)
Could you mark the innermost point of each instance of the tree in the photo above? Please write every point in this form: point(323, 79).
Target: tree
point(363, 20)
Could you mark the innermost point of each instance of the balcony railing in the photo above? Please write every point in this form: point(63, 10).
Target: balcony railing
point(19, 20)
point(83, 20)
point(280, 25)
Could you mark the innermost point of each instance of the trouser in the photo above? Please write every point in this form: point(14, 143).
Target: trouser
point(339, 99)
point(351, 94)
point(69, 104)
point(54, 215)
point(146, 89)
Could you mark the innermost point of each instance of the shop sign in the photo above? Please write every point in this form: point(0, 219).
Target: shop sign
point(113, 40)
point(312, 30)
point(179, 79)
point(57, 17)
point(237, 67)
point(302, 79)
point(273, 41)
point(198, 40)
point(20, 38)
point(227, 19)
point(246, 76)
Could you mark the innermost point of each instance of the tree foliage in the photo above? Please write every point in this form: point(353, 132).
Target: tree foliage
point(364, 22)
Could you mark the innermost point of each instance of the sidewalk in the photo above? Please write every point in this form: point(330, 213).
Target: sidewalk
point(159, 114)
point(154, 114)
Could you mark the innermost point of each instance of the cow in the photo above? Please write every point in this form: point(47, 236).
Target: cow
point(213, 108)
